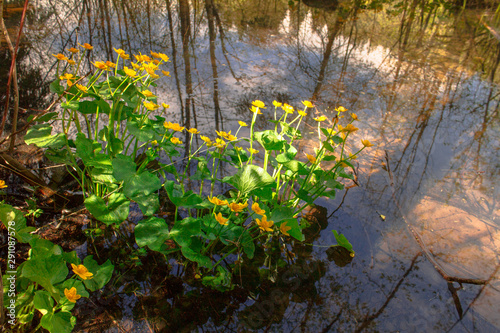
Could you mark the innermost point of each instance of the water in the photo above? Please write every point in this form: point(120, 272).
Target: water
point(426, 94)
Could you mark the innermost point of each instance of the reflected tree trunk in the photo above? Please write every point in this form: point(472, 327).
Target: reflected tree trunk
point(184, 14)
point(209, 5)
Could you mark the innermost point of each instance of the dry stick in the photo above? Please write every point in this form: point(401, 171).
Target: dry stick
point(422, 245)
point(12, 66)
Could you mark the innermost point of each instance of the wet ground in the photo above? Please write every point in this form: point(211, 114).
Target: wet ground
point(424, 220)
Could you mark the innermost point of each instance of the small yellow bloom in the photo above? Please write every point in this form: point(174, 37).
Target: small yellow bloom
point(256, 208)
point(222, 134)
point(129, 72)
point(236, 207)
point(82, 88)
point(163, 57)
point(175, 141)
point(173, 126)
point(308, 104)
point(238, 148)
point(322, 118)
point(341, 109)
point(287, 108)
point(82, 272)
point(352, 157)
point(265, 225)
point(73, 50)
point(60, 56)
point(165, 105)
point(71, 294)
point(154, 142)
point(148, 93)
point(221, 219)
point(206, 139)
point(259, 104)
point(86, 46)
point(119, 51)
point(125, 56)
point(110, 64)
point(155, 55)
point(101, 65)
point(354, 116)
point(284, 229)
point(366, 143)
point(150, 106)
point(311, 158)
point(70, 83)
point(218, 202)
point(219, 143)
point(165, 73)
point(349, 128)
point(231, 137)
point(255, 110)
point(277, 104)
point(71, 61)
point(142, 58)
point(67, 76)
point(193, 131)
point(302, 113)
point(253, 151)
point(242, 123)
point(135, 66)
point(2, 184)
point(156, 61)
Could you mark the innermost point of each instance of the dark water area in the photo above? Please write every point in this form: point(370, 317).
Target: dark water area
point(423, 220)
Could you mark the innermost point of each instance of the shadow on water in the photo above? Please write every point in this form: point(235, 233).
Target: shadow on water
point(424, 220)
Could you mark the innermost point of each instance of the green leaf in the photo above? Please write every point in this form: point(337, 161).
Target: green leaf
point(41, 136)
point(196, 257)
point(297, 167)
point(184, 229)
point(295, 231)
point(41, 248)
point(152, 232)
point(56, 87)
point(282, 213)
point(342, 241)
point(47, 117)
point(186, 200)
point(102, 273)
point(145, 184)
point(72, 105)
point(269, 140)
point(251, 177)
point(149, 204)
point(59, 322)
point(46, 272)
point(116, 211)
point(304, 195)
point(123, 167)
point(222, 281)
point(13, 218)
point(43, 302)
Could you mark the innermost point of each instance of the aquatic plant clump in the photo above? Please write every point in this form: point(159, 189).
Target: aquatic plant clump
point(122, 153)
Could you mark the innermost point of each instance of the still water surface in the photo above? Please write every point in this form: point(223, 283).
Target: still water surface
point(426, 94)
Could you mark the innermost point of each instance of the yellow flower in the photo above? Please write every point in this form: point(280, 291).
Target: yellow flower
point(236, 207)
point(287, 108)
point(70, 83)
point(82, 88)
point(154, 54)
point(218, 202)
point(284, 229)
point(173, 126)
point(82, 272)
point(119, 51)
point(142, 58)
point(255, 110)
point(73, 50)
point(352, 157)
point(71, 294)
point(2, 184)
point(66, 76)
point(259, 104)
point(86, 46)
point(302, 113)
point(163, 57)
point(277, 104)
point(71, 61)
point(165, 105)
point(265, 225)
point(165, 73)
point(366, 143)
point(129, 72)
point(311, 158)
point(308, 104)
point(341, 109)
point(242, 123)
point(222, 134)
point(60, 56)
point(150, 106)
point(221, 219)
point(154, 142)
point(238, 148)
point(125, 56)
point(253, 151)
point(349, 128)
point(231, 137)
point(219, 143)
point(101, 65)
point(156, 61)
point(110, 64)
point(135, 66)
point(354, 116)
point(175, 141)
point(148, 93)
point(256, 208)
point(193, 131)
point(206, 139)
point(322, 118)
